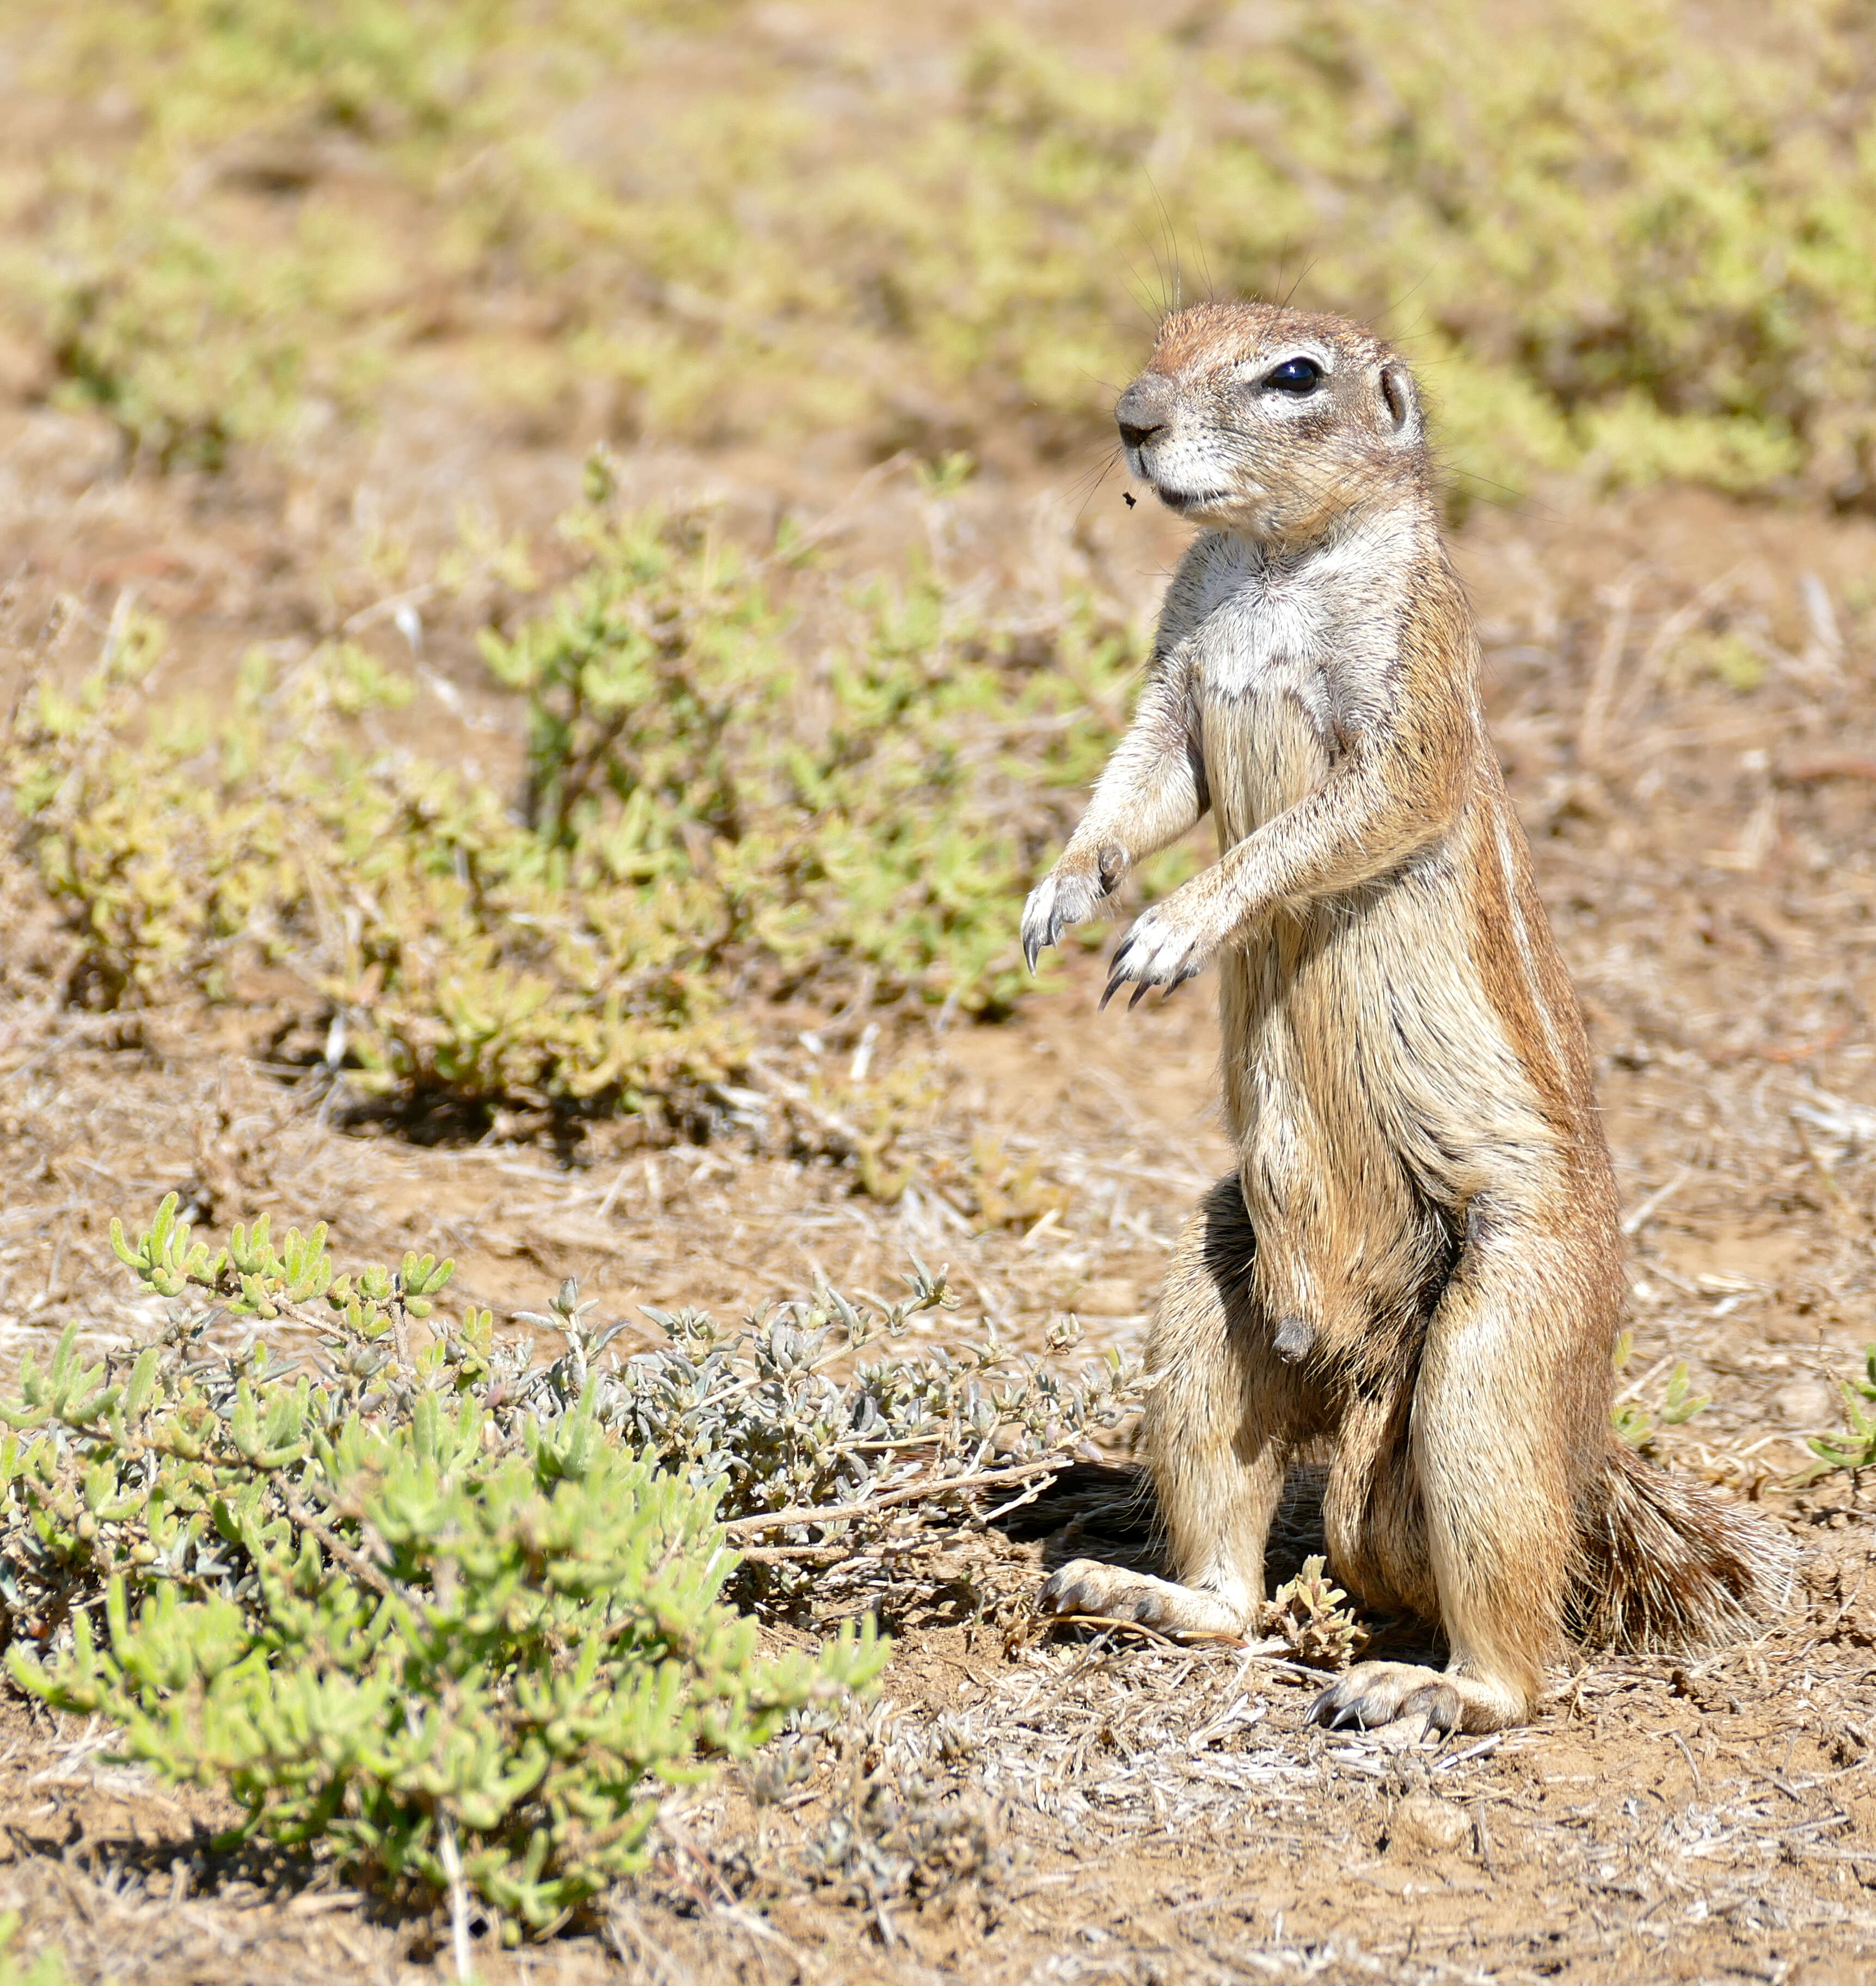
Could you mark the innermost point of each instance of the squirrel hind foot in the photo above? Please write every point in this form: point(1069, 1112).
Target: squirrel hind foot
point(1085, 1586)
point(1373, 1695)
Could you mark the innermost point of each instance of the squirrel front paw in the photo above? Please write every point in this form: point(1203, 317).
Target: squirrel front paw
point(1173, 942)
point(1068, 895)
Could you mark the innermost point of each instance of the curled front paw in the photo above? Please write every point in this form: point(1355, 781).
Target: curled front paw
point(1068, 895)
point(1173, 942)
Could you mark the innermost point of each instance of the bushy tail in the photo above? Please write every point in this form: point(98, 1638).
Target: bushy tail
point(1660, 1564)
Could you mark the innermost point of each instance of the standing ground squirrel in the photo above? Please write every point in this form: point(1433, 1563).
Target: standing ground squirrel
point(1418, 1259)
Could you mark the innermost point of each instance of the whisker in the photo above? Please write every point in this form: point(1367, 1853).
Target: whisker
point(1169, 233)
point(1099, 476)
point(1204, 262)
point(1153, 249)
point(1142, 296)
point(1302, 275)
point(1388, 310)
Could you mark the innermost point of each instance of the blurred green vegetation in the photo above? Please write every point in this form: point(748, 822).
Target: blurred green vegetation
point(1614, 238)
point(47, 1969)
point(717, 814)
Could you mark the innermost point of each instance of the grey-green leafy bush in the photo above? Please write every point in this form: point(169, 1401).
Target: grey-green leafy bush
point(450, 1613)
point(805, 1410)
point(903, 1839)
point(1855, 1448)
point(716, 819)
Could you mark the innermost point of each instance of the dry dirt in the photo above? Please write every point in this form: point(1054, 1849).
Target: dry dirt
point(1018, 1807)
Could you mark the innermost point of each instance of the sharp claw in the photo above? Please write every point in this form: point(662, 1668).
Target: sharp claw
point(1031, 951)
point(1113, 987)
point(1140, 993)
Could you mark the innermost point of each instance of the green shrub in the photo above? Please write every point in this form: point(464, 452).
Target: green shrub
point(713, 820)
point(1855, 1448)
point(879, 813)
point(540, 1644)
point(1678, 1404)
point(454, 1618)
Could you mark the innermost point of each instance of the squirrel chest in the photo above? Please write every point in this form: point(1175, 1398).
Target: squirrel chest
point(1278, 666)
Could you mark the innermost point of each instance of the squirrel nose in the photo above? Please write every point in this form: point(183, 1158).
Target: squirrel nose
point(1143, 410)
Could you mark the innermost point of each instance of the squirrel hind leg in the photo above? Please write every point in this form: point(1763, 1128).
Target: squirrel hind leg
point(1225, 1413)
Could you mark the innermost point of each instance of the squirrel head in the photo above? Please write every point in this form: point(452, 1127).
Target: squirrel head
point(1273, 424)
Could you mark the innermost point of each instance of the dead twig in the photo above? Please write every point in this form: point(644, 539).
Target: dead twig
point(360, 1568)
point(1826, 766)
point(911, 1493)
point(461, 1950)
point(796, 1554)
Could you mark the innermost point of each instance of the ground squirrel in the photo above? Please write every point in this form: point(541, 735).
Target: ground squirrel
point(1419, 1261)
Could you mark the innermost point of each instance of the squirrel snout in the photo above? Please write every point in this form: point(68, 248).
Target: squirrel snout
point(1143, 409)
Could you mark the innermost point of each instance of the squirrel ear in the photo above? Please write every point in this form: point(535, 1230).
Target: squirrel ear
point(1402, 403)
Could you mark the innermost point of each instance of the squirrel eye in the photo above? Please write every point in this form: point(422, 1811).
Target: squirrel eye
point(1294, 375)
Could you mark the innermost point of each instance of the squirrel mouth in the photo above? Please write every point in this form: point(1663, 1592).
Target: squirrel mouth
point(1183, 500)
